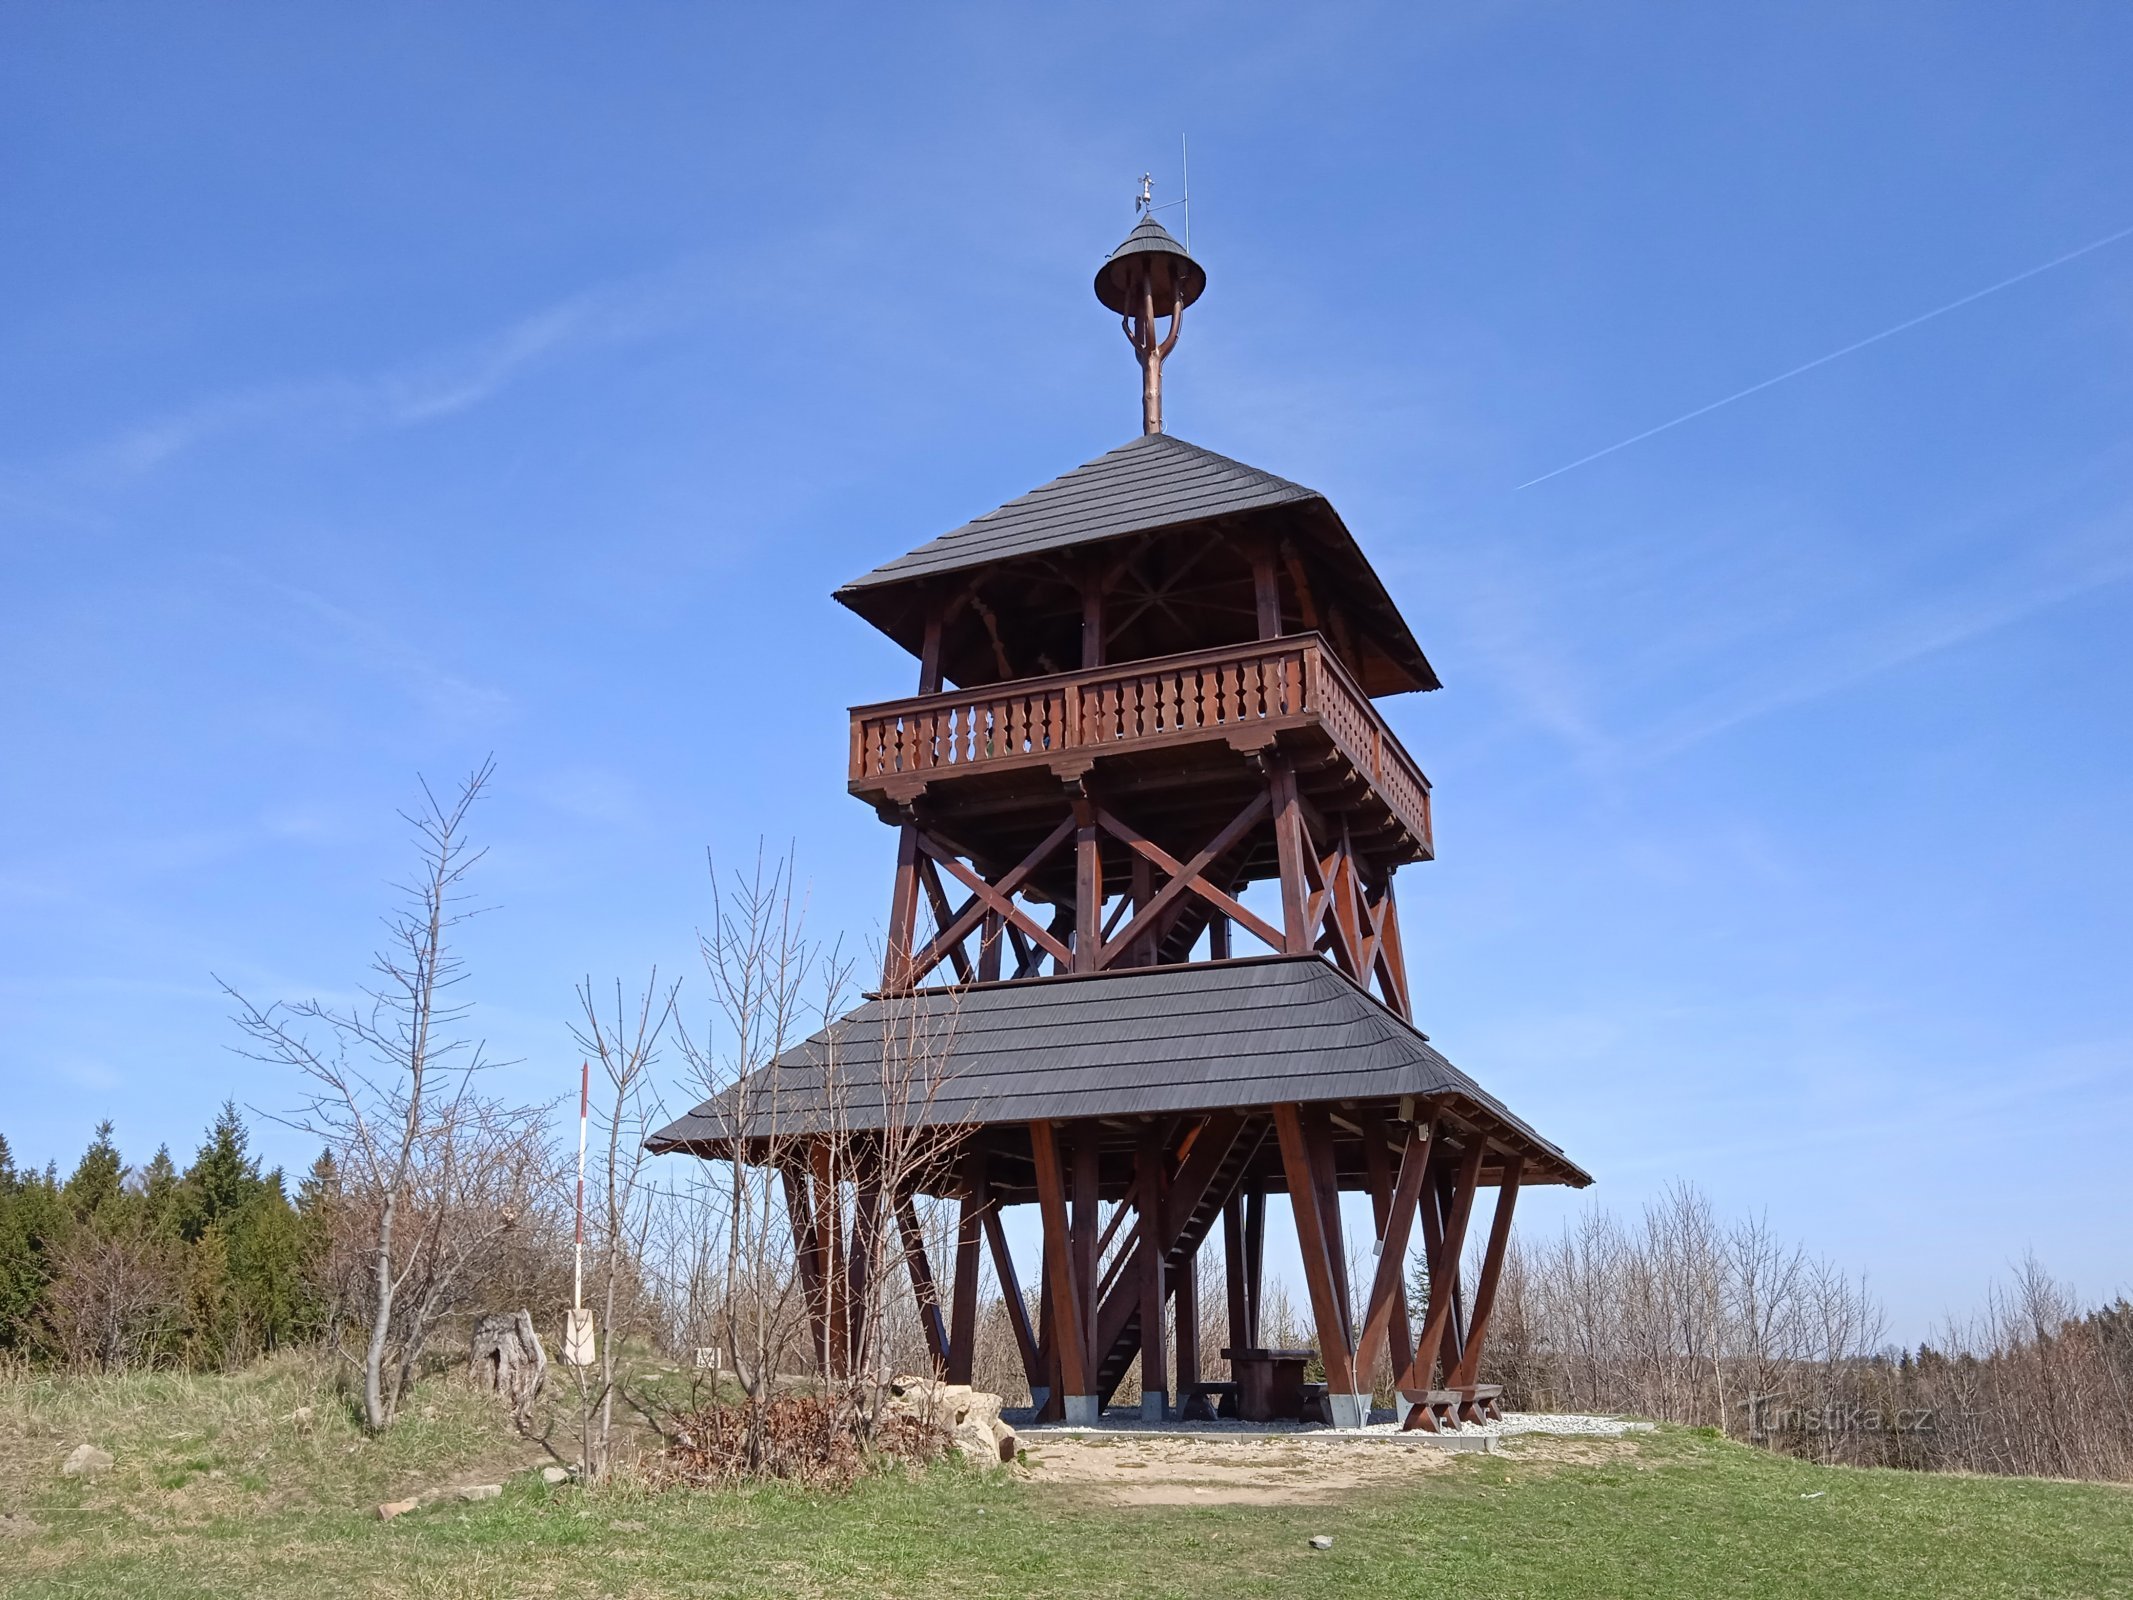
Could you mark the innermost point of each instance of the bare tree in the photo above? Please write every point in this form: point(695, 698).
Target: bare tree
point(625, 1041)
point(432, 1171)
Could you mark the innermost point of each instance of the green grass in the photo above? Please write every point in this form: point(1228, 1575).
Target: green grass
point(218, 1491)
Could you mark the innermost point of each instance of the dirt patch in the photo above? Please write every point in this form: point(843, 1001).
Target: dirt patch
point(1215, 1472)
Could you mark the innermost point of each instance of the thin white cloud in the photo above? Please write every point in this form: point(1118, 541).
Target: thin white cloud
point(420, 392)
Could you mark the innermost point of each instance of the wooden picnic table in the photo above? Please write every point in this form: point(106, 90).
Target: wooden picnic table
point(1270, 1383)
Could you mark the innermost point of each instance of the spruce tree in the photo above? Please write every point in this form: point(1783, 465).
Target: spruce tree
point(223, 1179)
point(97, 1188)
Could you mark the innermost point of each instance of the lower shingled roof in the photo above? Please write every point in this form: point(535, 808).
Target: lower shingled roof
point(1199, 1037)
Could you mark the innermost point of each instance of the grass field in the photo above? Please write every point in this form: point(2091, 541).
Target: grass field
point(222, 1486)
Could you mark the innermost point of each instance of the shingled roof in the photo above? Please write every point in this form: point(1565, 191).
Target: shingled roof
point(1150, 484)
point(1199, 1037)
point(1155, 481)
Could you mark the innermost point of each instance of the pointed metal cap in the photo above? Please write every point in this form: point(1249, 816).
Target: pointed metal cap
point(1176, 278)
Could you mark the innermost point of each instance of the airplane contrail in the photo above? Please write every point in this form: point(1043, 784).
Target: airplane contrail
point(1823, 361)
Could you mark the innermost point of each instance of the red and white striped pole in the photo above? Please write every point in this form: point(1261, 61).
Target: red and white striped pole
point(577, 1326)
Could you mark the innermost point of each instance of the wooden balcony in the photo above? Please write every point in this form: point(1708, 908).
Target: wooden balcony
point(1290, 691)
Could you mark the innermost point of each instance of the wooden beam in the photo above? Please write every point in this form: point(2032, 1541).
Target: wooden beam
point(829, 1253)
point(1444, 1267)
point(1378, 1170)
point(995, 896)
point(929, 652)
point(799, 1212)
point(1188, 876)
point(859, 1267)
point(1318, 1140)
point(1266, 591)
point(1388, 1288)
point(903, 911)
point(1093, 583)
point(923, 1289)
point(1003, 1268)
point(969, 1242)
point(1514, 1168)
point(1292, 848)
point(1088, 888)
point(1151, 1161)
point(1311, 1239)
point(1076, 1378)
point(929, 878)
point(1186, 1349)
point(1240, 1320)
point(1254, 1261)
point(1084, 1182)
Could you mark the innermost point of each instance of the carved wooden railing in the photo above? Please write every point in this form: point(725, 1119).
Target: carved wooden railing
point(1265, 685)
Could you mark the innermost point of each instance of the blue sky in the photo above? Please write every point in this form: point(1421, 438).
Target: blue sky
point(383, 388)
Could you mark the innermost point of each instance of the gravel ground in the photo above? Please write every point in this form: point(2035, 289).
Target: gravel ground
point(1383, 1425)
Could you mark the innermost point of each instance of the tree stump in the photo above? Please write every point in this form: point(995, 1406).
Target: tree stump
point(507, 1359)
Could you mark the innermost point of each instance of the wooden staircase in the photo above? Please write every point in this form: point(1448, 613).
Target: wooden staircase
point(1119, 1319)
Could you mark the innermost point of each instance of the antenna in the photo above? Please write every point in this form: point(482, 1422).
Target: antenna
point(1185, 189)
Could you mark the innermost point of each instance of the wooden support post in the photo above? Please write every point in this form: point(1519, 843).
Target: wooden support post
point(829, 1252)
point(1444, 1269)
point(1266, 591)
point(969, 1241)
point(1240, 1315)
point(1378, 1169)
point(991, 934)
point(1077, 1395)
point(1185, 1289)
point(1311, 1239)
point(1290, 845)
point(929, 650)
point(1514, 1168)
point(1092, 616)
point(860, 1260)
point(1388, 1292)
point(800, 1214)
point(1150, 1160)
point(903, 912)
point(1254, 1262)
point(1318, 1139)
point(1088, 887)
point(1218, 937)
point(1026, 1340)
point(1082, 1178)
point(925, 1293)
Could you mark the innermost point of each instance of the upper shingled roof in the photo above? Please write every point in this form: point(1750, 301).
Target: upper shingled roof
point(1155, 481)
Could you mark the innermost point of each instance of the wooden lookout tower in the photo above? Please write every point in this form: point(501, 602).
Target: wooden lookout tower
point(1142, 689)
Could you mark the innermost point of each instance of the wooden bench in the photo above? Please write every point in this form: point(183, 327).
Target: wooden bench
point(1434, 1410)
point(1270, 1383)
point(1194, 1406)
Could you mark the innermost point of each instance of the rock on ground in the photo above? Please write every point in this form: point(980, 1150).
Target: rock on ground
point(481, 1491)
point(86, 1459)
point(396, 1508)
point(554, 1475)
point(971, 1416)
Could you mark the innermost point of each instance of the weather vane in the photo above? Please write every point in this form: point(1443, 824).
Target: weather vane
point(1146, 202)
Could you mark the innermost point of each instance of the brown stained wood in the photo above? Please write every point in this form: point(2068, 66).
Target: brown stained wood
point(1266, 592)
point(1311, 1239)
point(1318, 1141)
point(1088, 888)
point(1514, 1167)
point(1065, 1323)
point(1378, 1176)
point(1186, 1289)
point(969, 1245)
point(1003, 1268)
point(929, 653)
point(903, 909)
point(924, 1292)
point(859, 1264)
point(1084, 1181)
point(1151, 1161)
point(929, 878)
point(995, 896)
point(1293, 849)
point(1240, 1321)
point(1189, 877)
point(799, 1213)
point(1254, 1259)
point(1388, 1287)
point(1444, 1267)
point(829, 1252)
point(990, 937)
